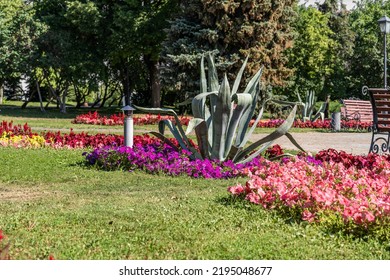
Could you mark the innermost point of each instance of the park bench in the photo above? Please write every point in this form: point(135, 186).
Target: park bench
point(380, 101)
point(358, 110)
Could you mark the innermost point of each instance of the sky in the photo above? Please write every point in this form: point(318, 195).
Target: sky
point(348, 3)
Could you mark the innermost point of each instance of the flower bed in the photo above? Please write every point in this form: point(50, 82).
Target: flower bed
point(19, 136)
point(22, 137)
point(319, 124)
point(354, 189)
point(159, 158)
point(117, 119)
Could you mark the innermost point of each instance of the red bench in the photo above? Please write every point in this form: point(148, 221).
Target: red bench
point(358, 110)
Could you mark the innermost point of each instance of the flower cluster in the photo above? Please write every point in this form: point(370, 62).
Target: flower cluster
point(360, 196)
point(273, 151)
point(73, 140)
point(8, 128)
point(3, 248)
point(159, 158)
point(22, 137)
point(117, 119)
point(22, 141)
point(318, 124)
point(19, 136)
point(348, 160)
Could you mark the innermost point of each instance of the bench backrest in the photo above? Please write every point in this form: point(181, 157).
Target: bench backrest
point(360, 109)
point(380, 100)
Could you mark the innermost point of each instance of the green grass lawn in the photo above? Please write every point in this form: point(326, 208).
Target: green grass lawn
point(52, 204)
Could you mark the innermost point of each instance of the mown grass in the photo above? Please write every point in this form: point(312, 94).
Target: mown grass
point(50, 203)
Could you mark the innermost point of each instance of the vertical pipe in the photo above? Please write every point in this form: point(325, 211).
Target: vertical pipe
point(385, 61)
point(336, 121)
point(128, 133)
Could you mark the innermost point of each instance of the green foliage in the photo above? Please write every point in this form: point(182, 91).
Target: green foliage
point(337, 84)
point(222, 117)
point(367, 63)
point(232, 29)
point(18, 31)
point(98, 42)
point(334, 106)
point(312, 50)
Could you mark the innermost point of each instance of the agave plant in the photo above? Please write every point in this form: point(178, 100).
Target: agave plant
point(307, 107)
point(222, 116)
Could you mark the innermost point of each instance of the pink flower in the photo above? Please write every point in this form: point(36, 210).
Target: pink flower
point(236, 190)
point(253, 197)
point(308, 216)
point(369, 217)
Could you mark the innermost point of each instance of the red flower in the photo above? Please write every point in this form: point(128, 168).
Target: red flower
point(274, 151)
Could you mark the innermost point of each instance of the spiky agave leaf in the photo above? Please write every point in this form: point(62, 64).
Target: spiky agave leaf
point(201, 111)
point(213, 83)
point(170, 112)
point(243, 102)
point(198, 104)
point(237, 81)
point(220, 121)
point(250, 152)
point(201, 132)
point(175, 132)
point(252, 88)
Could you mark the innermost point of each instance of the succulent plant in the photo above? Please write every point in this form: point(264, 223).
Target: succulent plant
point(222, 116)
point(307, 107)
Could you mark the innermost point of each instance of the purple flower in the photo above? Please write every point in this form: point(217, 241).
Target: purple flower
point(160, 158)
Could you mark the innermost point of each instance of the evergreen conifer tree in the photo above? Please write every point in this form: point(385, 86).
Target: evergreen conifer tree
point(232, 29)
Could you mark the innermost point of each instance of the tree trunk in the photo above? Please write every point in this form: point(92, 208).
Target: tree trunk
point(28, 100)
point(1, 93)
point(63, 100)
point(126, 85)
point(154, 81)
point(52, 91)
point(40, 97)
point(107, 93)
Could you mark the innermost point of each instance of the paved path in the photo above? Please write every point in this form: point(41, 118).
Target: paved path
point(354, 143)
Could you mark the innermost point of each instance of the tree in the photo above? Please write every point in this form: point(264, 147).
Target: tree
point(124, 36)
point(131, 33)
point(337, 83)
point(233, 29)
point(187, 39)
point(16, 35)
point(367, 61)
point(312, 50)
